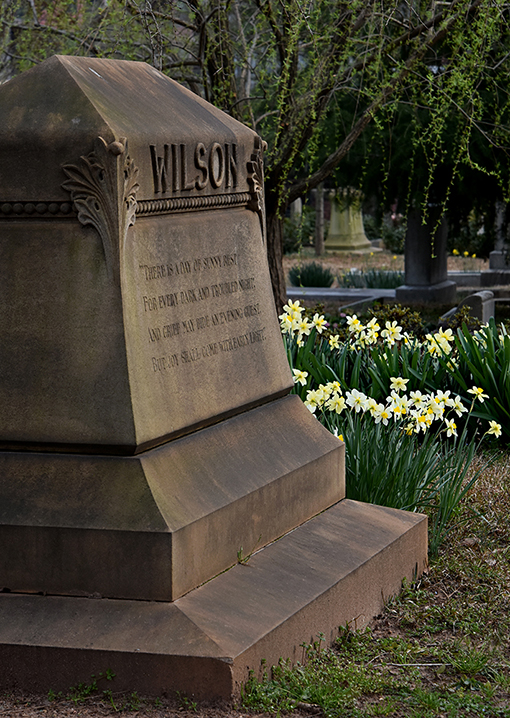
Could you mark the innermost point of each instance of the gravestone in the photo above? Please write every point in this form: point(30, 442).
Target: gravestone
point(499, 269)
point(426, 261)
point(499, 259)
point(480, 304)
point(148, 441)
point(346, 232)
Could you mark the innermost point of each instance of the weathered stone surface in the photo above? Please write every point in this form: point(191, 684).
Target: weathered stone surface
point(481, 305)
point(426, 267)
point(177, 515)
point(137, 308)
point(346, 232)
point(134, 286)
point(498, 259)
point(337, 569)
point(146, 439)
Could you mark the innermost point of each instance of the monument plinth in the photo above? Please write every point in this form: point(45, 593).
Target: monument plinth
point(346, 232)
point(426, 262)
point(147, 438)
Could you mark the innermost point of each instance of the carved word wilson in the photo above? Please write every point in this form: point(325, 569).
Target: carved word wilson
point(215, 165)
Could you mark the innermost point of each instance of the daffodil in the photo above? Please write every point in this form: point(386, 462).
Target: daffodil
point(433, 347)
point(293, 307)
point(335, 386)
point(287, 323)
point(440, 343)
point(381, 414)
point(495, 429)
point(445, 334)
point(443, 398)
point(334, 341)
point(435, 407)
point(354, 324)
point(477, 392)
point(370, 336)
point(421, 421)
point(326, 390)
point(314, 399)
point(336, 404)
point(319, 322)
point(357, 400)
point(321, 394)
point(398, 383)
point(392, 333)
point(451, 427)
point(300, 376)
point(418, 399)
point(371, 404)
point(458, 406)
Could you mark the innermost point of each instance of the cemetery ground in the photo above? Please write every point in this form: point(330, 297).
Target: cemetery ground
point(439, 649)
point(384, 260)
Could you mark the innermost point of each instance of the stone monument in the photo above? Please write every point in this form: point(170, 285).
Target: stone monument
point(426, 261)
point(499, 259)
point(346, 232)
point(148, 441)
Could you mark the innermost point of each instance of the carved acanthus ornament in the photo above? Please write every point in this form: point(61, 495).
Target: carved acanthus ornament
point(103, 188)
point(256, 180)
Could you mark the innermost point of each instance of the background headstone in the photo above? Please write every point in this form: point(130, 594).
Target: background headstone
point(426, 268)
point(481, 305)
point(346, 232)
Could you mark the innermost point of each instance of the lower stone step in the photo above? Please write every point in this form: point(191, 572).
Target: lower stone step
point(337, 569)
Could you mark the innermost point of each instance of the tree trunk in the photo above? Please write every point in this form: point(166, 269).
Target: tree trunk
point(274, 229)
point(319, 220)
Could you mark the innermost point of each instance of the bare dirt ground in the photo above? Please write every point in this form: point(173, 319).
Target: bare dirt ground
point(97, 707)
point(339, 263)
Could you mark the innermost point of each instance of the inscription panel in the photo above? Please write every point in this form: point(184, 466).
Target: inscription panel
point(201, 328)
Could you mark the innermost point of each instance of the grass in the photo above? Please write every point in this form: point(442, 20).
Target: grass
point(311, 274)
point(384, 260)
point(439, 649)
point(371, 278)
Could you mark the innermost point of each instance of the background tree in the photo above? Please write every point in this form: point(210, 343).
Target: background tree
point(281, 65)
point(438, 142)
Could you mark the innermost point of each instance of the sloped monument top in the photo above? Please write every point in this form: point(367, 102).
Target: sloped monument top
point(121, 327)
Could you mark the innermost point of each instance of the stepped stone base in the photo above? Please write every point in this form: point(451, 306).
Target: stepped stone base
point(156, 525)
point(494, 277)
point(440, 293)
point(336, 569)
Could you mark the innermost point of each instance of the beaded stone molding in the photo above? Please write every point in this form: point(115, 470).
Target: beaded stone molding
point(35, 210)
point(144, 207)
point(192, 204)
